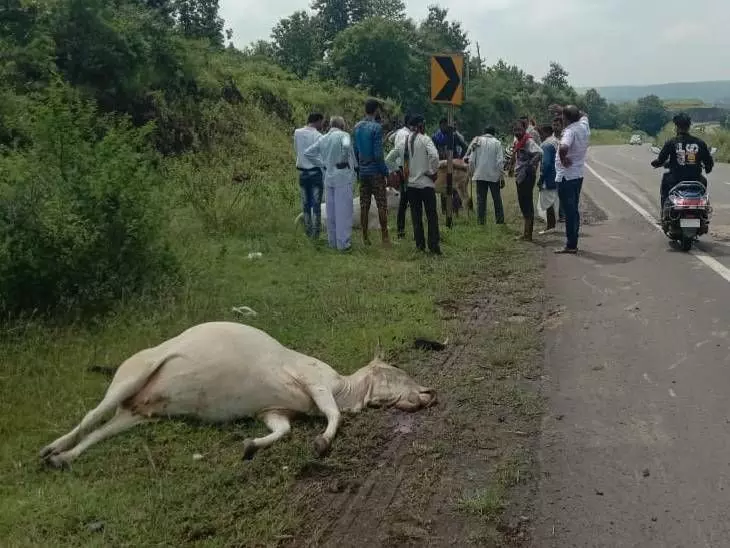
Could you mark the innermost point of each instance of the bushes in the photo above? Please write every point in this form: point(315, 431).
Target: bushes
point(79, 219)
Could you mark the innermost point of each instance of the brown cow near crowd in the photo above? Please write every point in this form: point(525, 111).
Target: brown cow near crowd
point(460, 181)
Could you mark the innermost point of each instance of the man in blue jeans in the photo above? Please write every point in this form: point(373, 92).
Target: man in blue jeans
point(311, 180)
point(569, 165)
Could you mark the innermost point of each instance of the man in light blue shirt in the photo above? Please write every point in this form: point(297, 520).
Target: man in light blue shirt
point(338, 158)
point(310, 174)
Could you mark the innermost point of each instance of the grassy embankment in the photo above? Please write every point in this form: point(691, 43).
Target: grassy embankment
point(614, 136)
point(145, 487)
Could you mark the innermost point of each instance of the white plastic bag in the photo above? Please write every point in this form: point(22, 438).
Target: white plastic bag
point(546, 199)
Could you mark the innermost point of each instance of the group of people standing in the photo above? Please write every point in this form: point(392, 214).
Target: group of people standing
point(331, 163)
point(551, 156)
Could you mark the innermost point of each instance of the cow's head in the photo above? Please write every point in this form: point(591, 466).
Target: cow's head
point(393, 387)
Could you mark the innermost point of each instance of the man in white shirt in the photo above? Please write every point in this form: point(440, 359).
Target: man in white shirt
point(485, 157)
point(310, 174)
point(397, 160)
point(423, 164)
point(569, 165)
point(336, 153)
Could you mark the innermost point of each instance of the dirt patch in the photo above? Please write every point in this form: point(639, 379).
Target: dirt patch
point(590, 212)
point(458, 474)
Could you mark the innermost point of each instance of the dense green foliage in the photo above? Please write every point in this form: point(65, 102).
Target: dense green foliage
point(115, 120)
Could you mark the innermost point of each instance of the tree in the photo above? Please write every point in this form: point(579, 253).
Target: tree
point(598, 111)
point(438, 33)
point(393, 10)
point(296, 43)
point(375, 55)
point(261, 48)
point(200, 19)
point(335, 16)
point(557, 77)
point(651, 115)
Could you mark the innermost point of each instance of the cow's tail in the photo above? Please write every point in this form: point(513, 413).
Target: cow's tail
point(298, 220)
point(120, 391)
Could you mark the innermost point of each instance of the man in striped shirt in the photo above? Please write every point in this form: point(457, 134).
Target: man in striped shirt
point(311, 179)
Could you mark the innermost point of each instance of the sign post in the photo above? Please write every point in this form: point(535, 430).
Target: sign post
point(447, 87)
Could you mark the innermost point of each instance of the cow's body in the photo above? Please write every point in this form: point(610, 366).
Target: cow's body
point(393, 199)
point(460, 180)
point(224, 371)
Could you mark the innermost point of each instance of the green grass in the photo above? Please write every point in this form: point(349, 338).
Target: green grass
point(490, 502)
point(614, 136)
point(145, 486)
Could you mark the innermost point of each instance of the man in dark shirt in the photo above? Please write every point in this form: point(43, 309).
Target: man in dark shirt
point(687, 156)
point(368, 147)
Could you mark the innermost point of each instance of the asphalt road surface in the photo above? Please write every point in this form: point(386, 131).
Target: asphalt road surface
point(636, 444)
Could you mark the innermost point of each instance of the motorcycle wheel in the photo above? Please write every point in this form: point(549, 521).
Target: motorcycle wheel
point(686, 244)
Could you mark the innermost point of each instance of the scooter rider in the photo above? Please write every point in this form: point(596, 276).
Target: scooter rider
point(687, 156)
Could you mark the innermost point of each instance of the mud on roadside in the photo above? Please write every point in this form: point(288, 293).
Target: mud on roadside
point(461, 473)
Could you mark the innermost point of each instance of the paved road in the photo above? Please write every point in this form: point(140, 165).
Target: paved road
point(628, 168)
point(636, 445)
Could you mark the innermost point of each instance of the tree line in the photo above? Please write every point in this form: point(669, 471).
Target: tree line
point(373, 45)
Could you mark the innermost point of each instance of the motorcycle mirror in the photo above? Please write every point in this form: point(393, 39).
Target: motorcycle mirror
point(713, 150)
point(655, 149)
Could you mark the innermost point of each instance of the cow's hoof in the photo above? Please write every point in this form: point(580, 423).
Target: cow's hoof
point(249, 449)
point(322, 446)
point(57, 462)
point(46, 452)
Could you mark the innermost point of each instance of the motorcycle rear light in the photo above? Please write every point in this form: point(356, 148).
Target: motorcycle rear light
point(690, 202)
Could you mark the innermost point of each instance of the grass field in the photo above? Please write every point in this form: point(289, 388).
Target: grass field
point(614, 137)
point(145, 488)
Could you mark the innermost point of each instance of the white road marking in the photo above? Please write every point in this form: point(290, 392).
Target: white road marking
point(672, 393)
point(715, 265)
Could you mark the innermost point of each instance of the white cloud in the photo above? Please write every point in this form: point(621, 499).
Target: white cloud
point(599, 42)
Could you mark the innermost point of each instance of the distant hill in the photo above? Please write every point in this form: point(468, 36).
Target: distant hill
point(712, 93)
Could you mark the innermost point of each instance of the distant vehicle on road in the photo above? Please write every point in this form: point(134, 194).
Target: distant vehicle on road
point(635, 139)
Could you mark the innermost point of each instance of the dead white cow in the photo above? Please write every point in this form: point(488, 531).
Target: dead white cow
point(224, 371)
point(393, 199)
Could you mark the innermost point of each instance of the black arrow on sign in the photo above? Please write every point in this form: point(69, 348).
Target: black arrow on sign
point(449, 90)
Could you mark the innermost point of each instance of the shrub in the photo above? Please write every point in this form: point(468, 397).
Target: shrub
point(79, 217)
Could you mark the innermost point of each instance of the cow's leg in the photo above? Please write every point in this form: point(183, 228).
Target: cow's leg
point(123, 420)
point(278, 424)
point(326, 403)
point(90, 420)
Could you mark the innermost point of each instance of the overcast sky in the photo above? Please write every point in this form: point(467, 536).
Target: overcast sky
point(600, 42)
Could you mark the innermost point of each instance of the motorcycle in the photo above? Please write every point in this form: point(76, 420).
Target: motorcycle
point(686, 213)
